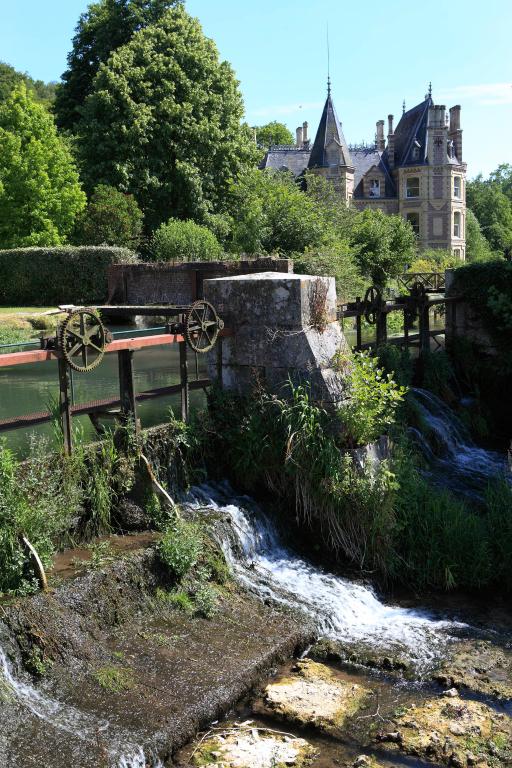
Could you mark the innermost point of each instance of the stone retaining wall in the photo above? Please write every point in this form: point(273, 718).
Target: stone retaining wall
point(179, 283)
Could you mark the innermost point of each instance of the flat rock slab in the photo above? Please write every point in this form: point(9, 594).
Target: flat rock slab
point(313, 696)
point(125, 672)
point(452, 731)
point(478, 666)
point(253, 748)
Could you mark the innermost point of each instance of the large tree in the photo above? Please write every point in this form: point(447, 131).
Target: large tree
point(40, 193)
point(273, 133)
point(104, 27)
point(493, 209)
point(163, 122)
point(383, 245)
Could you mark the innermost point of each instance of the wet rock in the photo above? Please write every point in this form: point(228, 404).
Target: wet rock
point(360, 654)
point(313, 696)
point(246, 749)
point(478, 666)
point(453, 732)
point(129, 516)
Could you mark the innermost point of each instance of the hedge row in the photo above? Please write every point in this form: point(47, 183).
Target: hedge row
point(63, 275)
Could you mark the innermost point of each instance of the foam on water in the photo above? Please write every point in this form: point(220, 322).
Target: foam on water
point(341, 609)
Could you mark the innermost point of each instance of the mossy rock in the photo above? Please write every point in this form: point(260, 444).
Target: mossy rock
point(313, 696)
point(452, 731)
point(478, 666)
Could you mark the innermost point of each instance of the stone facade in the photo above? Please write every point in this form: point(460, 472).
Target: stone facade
point(418, 173)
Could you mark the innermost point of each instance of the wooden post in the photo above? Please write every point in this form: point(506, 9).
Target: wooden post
point(127, 392)
point(424, 317)
point(219, 361)
point(406, 328)
point(65, 406)
point(184, 381)
point(358, 325)
point(382, 325)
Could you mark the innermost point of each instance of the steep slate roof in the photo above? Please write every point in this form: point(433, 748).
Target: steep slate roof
point(363, 159)
point(281, 157)
point(412, 126)
point(329, 130)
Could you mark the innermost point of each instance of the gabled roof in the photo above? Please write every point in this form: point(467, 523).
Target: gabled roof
point(329, 132)
point(363, 159)
point(412, 127)
point(293, 159)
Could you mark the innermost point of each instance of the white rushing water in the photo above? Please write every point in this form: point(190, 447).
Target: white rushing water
point(63, 717)
point(454, 459)
point(340, 608)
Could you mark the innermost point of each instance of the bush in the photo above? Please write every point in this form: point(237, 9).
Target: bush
point(111, 218)
point(373, 399)
point(180, 547)
point(184, 241)
point(63, 275)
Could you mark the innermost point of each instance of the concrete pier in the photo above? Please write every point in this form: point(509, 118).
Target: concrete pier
point(284, 326)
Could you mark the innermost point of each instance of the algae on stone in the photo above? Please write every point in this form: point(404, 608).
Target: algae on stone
point(452, 731)
point(478, 666)
point(314, 696)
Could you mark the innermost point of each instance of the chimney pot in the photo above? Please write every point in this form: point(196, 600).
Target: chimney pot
point(390, 124)
point(305, 131)
point(298, 136)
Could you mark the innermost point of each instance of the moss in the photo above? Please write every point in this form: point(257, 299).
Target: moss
point(114, 679)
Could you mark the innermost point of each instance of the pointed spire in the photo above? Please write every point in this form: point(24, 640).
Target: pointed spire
point(430, 89)
point(403, 107)
point(329, 147)
point(328, 86)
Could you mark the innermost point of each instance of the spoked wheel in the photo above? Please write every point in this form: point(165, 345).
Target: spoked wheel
point(82, 340)
point(372, 304)
point(202, 326)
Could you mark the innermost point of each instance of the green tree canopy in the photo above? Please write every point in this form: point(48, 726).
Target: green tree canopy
point(384, 245)
point(477, 247)
point(43, 93)
point(111, 218)
point(272, 214)
point(493, 208)
point(163, 122)
point(184, 241)
point(104, 27)
point(273, 133)
point(40, 193)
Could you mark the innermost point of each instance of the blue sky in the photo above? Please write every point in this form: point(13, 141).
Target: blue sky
point(381, 53)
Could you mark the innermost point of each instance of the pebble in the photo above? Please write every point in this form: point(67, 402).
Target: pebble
point(452, 693)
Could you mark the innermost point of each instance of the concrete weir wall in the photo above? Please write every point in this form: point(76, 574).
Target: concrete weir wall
point(283, 326)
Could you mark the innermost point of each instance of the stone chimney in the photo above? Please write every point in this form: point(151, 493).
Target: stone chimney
point(298, 136)
point(305, 132)
point(380, 142)
point(391, 143)
point(456, 131)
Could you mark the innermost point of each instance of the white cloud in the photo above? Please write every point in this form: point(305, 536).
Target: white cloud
point(486, 93)
point(282, 110)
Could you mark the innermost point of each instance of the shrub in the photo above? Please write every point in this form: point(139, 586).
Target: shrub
point(180, 547)
point(51, 276)
point(205, 599)
point(396, 361)
point(184, 241)
point(111, 218)
point(373, 399)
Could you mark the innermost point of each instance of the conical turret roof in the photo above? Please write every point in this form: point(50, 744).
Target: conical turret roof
point(329, 147)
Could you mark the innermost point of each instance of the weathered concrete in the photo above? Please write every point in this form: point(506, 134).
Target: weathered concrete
point(284, 326)
point(178, 283)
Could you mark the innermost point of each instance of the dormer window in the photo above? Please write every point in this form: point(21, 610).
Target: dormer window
point(374, 187)
point(412, 186)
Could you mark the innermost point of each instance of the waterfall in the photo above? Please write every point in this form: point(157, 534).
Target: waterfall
point(453, 459)
point(341, 609)
point(82, 727)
